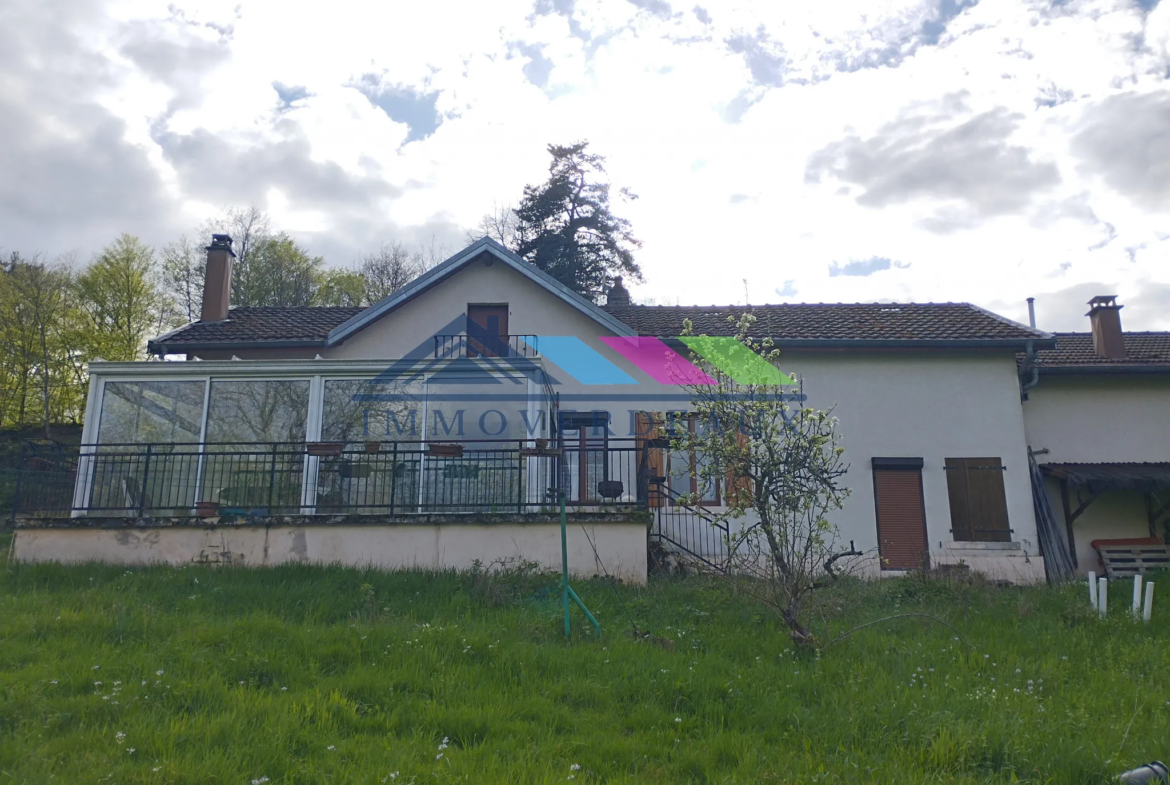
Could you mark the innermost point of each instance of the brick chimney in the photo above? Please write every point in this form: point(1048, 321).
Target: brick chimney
point(617, 295)
point(1105, 316)
point(217, 282)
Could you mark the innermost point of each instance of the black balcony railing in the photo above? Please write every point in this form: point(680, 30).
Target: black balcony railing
point(375, 478)
point(453, 347)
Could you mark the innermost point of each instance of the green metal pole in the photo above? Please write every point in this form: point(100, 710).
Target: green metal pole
point(568, 590)
point(565, 565)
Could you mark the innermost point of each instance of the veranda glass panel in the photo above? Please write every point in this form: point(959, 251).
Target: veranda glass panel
point(255, 454)
point(167, 416)
point(367, 417)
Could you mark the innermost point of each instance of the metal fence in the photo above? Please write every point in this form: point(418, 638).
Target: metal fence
point(380, 478)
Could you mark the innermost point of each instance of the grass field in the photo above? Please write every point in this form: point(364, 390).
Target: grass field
point(309, 675)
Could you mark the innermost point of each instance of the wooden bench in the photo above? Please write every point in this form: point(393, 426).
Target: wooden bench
point(1125, 558)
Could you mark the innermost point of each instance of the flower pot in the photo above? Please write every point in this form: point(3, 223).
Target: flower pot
point(206, 509)
point(324, 449)
point(373, 447)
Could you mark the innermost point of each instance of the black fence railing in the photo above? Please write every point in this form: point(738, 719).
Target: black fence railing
point(450, 347)
point(378, 478)
point(686, 528)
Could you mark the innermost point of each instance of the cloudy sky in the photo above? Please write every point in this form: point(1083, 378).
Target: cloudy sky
point(925, 150)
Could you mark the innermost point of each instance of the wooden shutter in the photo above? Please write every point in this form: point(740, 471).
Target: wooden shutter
point(647, 434)
point(901, 517)
point(738, 487)
point(978, 503)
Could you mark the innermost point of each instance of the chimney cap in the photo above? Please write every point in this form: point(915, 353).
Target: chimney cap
point(1103, 301)
point(617, 294)
point(221, 242)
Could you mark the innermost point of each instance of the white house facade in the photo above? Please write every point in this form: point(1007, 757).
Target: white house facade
point(440, 427)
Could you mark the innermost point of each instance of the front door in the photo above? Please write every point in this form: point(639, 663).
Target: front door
point(487, 330)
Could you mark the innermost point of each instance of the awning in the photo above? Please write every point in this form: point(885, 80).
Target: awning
point(1097, 477)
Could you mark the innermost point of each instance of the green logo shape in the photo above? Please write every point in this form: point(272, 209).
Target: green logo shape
point(736, 360)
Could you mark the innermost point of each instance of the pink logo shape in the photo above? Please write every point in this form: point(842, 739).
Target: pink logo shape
point(657, 359)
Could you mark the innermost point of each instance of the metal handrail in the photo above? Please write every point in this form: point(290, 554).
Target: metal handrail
point(462, 345)
point(688, 528)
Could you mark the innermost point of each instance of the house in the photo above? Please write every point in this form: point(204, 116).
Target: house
point(443, 424)
point(1097, 418)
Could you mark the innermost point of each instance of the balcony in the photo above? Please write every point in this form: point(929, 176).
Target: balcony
point(388, 479)
point(457, 347)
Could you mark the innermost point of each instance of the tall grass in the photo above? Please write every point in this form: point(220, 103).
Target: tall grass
point(306, 674)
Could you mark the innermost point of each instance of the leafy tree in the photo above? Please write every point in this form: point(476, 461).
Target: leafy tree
point(276, 271)
point(120, 300)
point(565, 227)
point(388, 269)
point(781, 466)
point(340, 287)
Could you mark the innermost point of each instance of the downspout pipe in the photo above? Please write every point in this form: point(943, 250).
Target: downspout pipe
point(1030, 371)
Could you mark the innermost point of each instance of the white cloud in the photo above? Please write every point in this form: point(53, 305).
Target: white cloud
point(715, 119)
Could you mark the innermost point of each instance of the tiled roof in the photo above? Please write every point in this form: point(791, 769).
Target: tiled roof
point(1075, 350)
point(861, 322)
point(253, 325)
point(921, 323)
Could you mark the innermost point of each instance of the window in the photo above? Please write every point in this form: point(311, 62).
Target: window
point(151, 412)
point(585, 440)
point(684, 469)
point(256, 412)
point(978, 503)
point(901, 514)
point(360, 410)
point(163, 415)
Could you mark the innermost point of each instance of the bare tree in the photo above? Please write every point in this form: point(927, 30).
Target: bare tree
point(183, 268)
point(388, 269)
point(431, 254)
point(781, 464)
point(500, 225)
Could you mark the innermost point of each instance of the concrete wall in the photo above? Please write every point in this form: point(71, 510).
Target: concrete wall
point(621, 546)
point(1100, 419)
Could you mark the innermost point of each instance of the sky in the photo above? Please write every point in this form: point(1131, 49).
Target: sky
point(975, 151)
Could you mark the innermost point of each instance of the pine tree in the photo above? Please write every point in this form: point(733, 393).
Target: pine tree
point(565, 226)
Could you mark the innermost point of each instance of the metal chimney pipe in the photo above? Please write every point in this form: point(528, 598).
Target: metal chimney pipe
point(1032, 312)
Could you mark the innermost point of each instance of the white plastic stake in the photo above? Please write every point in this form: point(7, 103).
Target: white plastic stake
point(1137, 595)
point(1102, 597)
point(1093, 588)
point(1149, 601)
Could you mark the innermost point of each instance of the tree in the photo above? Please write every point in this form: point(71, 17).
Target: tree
point(781, 464)
point(340, 287)
point(120, 299)
point(564, 226)
point(388, 269)
point(276, 272)
point(500, 225)
point(184, 265)
point(43, 297)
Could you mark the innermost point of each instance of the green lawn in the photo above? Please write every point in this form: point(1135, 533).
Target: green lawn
point(303, 674)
